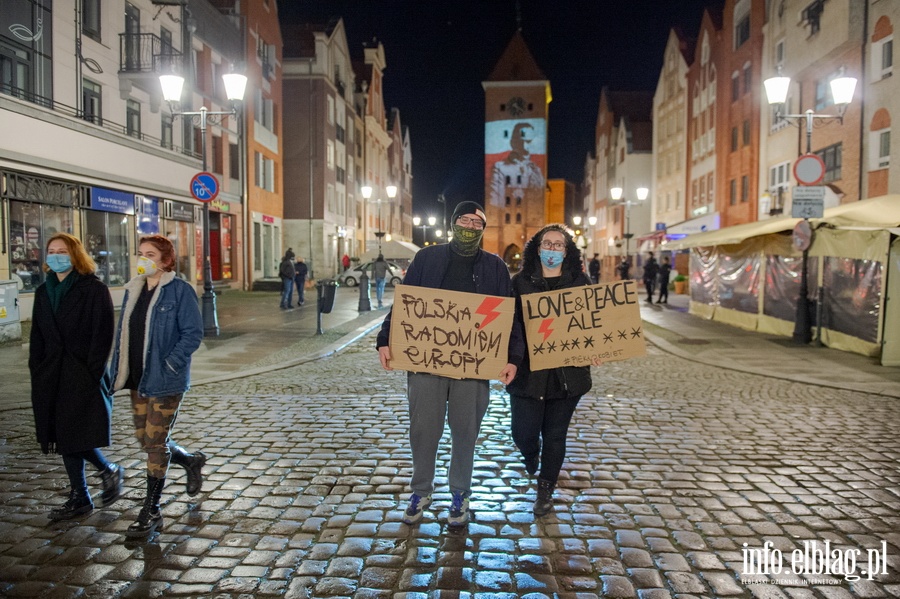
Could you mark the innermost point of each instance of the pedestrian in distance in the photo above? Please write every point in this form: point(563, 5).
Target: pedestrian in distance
point(651, 270)
point(624, 269)
point(345, 261)
point(290, 253)
point(300, 272)
point(594, 269)
point(287, 272)
point(665, 269)
point(460, 265)
point(379, 273)
point(542, 402)
point(71, 335)
point(159, 329)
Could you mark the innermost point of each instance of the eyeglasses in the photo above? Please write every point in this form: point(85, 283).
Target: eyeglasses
point(465, 221)
point(553, 245)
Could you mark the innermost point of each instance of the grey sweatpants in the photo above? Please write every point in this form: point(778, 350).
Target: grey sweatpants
point(432, 399)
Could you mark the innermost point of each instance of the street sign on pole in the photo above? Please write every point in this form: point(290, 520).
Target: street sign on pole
point(204, 187)
point(809, 169)
point(808, 202)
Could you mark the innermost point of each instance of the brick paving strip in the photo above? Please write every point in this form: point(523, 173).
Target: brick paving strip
point(672, 467)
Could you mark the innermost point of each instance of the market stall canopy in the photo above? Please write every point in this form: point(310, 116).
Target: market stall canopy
point(882, 212)
point(392, 250)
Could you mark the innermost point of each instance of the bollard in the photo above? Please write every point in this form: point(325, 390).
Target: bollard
point(364, 304)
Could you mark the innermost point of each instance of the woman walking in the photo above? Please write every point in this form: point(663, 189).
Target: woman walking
point(71, 335)
point(543, 402)
point(159, 329)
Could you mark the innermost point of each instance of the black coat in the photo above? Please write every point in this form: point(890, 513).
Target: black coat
point(67, 359)
point(572, 381)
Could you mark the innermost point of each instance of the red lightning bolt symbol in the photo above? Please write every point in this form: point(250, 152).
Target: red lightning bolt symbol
point(487, 309)
point(545, 328)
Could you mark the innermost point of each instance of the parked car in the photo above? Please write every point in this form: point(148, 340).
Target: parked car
point(352, 275)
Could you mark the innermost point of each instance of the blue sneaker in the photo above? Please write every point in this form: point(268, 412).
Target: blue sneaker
point(459, 510)
point(416, 509)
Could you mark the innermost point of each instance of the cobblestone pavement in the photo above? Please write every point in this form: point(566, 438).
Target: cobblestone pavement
point(672, 468)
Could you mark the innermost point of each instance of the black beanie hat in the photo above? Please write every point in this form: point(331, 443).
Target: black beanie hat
point(468, 208)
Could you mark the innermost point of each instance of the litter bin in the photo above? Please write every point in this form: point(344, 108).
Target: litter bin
point(10, 323)
point(326, 291)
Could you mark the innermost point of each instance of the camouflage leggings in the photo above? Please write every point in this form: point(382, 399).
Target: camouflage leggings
point(154, 418)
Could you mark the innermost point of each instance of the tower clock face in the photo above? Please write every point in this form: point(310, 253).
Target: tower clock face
point(516, 106)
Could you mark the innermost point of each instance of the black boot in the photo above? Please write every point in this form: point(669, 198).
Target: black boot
point(193, 465)
point(112, 478)
point(77, 504)
point(150, 517)
point(544, 502)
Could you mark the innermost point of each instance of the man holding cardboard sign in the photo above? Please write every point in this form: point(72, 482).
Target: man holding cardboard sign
point(452, 344)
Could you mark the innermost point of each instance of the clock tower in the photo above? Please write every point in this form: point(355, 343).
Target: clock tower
point(516, 102)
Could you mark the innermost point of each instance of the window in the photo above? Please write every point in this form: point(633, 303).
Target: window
point(832, 158)
point(880, 142)
point(165, 134)
point(133, 118)
point(882, 58)
point(506, 218)
point(330, 102)
point(779, 184)
point(329, 154)
point(264, 111)
point(812, 14)
point(234, 161)
point(30, 225)
point(779, 53)
point(90, 18)
point(741, 31)
point(92, 102)
point(745, 188)
point(264, 175)
point(733, 194)
point(747, 133)
point(218, 155)
point(518, 218)
point(735, 87)
point(734, 139)
point(106, 240)
point(748, 79)
point(710, 187)
point(823, 91)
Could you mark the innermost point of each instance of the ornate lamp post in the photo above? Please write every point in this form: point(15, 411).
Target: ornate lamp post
point(417, 222)
point(365, 304)
point(842, 89)
point(235, 85)
point(616, 194)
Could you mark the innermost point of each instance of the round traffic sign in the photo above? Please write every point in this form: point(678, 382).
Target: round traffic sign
point(802, 236)
point(809, 169)
point(204, 187)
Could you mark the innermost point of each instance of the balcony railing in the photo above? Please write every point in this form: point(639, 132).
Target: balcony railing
point(96, 119)
point(146, 53)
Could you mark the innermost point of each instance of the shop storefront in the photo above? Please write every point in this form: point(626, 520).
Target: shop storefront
point(108, 224)
point(221, 236)
point(178, 225)
point(34, 208)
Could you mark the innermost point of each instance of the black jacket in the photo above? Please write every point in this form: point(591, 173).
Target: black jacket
point(571, 381)
point(491, 278)
point(67, 359)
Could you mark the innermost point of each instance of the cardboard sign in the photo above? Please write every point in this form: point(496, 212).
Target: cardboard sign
point(569, 327)
point(453, 334)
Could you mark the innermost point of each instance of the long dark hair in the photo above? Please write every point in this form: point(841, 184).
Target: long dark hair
point(531, 261)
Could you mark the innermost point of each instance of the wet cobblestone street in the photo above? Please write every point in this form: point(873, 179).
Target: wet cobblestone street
point(672, 467)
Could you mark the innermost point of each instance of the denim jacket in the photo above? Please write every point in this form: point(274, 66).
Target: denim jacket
point(174, 331)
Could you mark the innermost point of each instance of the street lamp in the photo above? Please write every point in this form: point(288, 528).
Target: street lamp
point(235, 85)
point(391, 193)
point(842, 89)
point(616, 194)
point(417, 222)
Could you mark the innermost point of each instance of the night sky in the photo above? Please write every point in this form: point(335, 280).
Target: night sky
point(438, 53)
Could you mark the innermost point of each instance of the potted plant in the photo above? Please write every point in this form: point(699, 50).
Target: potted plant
point(680, 283)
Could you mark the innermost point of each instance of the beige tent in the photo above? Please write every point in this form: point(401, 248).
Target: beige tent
point(748, 275)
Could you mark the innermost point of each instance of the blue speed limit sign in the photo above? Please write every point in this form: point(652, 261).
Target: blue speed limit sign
point(204, 187)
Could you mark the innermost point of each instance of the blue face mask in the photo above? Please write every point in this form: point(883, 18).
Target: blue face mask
point(551, 259)
point(59, 262)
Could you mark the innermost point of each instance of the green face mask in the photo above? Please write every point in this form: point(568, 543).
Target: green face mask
point(465, 241)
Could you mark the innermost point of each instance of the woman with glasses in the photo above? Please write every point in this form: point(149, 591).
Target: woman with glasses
point(543, 402)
